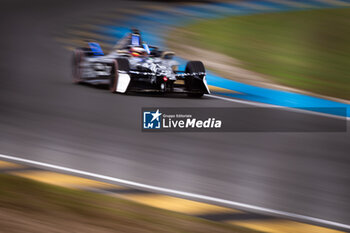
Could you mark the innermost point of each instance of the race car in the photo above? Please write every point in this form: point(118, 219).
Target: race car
point(133, 65)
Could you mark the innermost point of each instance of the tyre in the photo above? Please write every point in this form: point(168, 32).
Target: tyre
point(120, 64)
point(78, 56)
point(194, 83)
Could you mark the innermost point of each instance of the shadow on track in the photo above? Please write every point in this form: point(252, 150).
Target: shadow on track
point(143, 94)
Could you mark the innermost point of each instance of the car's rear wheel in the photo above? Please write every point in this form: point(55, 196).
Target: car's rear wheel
point(119, 65)
point(194, 83)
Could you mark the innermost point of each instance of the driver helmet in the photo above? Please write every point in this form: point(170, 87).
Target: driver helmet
point(137, 51)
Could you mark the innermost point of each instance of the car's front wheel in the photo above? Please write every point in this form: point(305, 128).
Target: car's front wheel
point(78, 56)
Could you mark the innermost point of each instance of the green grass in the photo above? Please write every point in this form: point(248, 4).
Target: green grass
point(30, 206)
point(308, 50)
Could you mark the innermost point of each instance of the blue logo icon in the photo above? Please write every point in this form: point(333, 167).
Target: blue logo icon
point(151, 120)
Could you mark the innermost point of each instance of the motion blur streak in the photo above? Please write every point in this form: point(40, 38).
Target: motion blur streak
point(45, 118)
point(272, 106)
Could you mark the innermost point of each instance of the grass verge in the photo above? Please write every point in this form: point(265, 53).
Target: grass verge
point(308, 50)
point(30, 206)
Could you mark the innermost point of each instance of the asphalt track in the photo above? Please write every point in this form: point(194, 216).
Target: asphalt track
point(44, 117)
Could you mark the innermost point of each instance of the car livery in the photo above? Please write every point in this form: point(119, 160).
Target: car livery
point(132, 65)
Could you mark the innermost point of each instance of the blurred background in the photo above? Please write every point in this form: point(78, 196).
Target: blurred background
point(280, 52)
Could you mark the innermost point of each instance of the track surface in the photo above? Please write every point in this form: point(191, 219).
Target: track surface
point(46, 118)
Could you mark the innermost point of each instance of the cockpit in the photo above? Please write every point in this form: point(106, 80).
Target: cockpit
point(132, 45)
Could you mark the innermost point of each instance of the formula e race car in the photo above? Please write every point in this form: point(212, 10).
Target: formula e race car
point(132, 65)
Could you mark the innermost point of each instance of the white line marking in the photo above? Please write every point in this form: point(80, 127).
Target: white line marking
point(181, 193)
point(277, 106)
